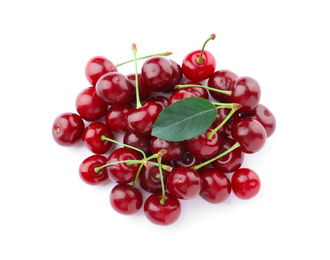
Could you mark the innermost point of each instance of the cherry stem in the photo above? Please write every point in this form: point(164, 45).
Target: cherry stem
point(164, 166)
point(236, 145)
point(144, 57)
point(159, 160)
point(199, 59)
point(128, 162)
point(137, 175)
point(225, 92)
point(138, 102)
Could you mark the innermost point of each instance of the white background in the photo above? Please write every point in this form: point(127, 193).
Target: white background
point(47, 212)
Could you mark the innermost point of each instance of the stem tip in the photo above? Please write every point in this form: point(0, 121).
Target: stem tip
point(134, 47)
point(212, 37)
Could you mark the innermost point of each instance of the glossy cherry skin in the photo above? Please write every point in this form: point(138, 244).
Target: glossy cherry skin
point(231, 161)
point(159, 100)
point(141, 121)
point(149, 177)
point(246, 91)
point(180, 94)
point(121, 172)
point(198, 71)
point(157, 73)
point(250, 134)
point(265, 117)
point(201, 146)
point(222, 80)
point(174, 149)
point(216, 186)
point(114, 88)
point(92, 138)
point(187, 160)
point(68, 129)
point(89, 106)
point(97, 67)
point(125, 199)
point(199, 92)
point(87, 170)
point(144, 90)
point(184, 183)
point(141, 142)
point(177, 73)
point(245, 183)
point(115, 117)
point(160, 214)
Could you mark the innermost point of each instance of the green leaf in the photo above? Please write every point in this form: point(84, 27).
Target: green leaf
point(184, 119)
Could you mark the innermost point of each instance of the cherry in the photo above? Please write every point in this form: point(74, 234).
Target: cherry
point(89, 106)
point(203, 147)
point(114, 88)
point(159, 100)
point(222, 113)
point(140, 121)
point(157, 73)
point(125, 199)
point(199, 92)
point(184, 183)
point(150, 177)
point(115, 117)
point(141, 142)
point(231, 161)
point(92, 138)
point(265, 117)
point(97, 67)
point(199, 65)
point(174, 149)
point(87, 170)
point(187, 160)
point(216, 186)
point(222, 80)
point(245, 183)
point(68, 129)
point(250, 134)
point(162, 214)
point(122, 172)
point(144, 90)
point(246, 91)
point(177, 74)
point(180, 94)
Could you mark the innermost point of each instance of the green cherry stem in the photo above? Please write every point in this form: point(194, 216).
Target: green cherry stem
point(144, 57)
point(137, 175)
point(225, 92)
point(138, 102)
point(159, 160)
point(199, 59)
point(128, 162)
point(236, 145)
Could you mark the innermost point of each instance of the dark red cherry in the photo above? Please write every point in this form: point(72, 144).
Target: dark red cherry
point(68, 129)
point(140, 121)
point(149, 177)
point(187, 160)
point(231, 161)
point(216, 186)
point(245, 183)
point(87, 170)
point(144, 90)
point(157, 73)
point(89, 106)
point(222, 80)
point(159, 100)
point(222, 113)
point(122, 172)
point(184, 183)
point(97, 67)
point(246, 91)
point(92, 138)
point(177, 73)
point(114, 88)
point(141, 142)
point(125, 199)
point(115, 117)
point(180, 94)
point(201, 146)
point(162, 214)
point(199, 92)
point(174, 149)
point(250, 134)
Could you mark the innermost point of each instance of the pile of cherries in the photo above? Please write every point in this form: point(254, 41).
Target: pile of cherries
point(208, 165)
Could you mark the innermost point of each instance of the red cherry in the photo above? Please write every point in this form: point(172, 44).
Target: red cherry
point(114, 88)
point(89, 106)
point(122, 172)
point(199, 92)
point(162, 214)
point(245, 183)
point(92, 137)
point(216, 186)
point(68, 129)
point(141, 142)
point(187, 160)
point(174, 149)
point(97, 67)
point(177, 73)
point(125, 199)
point(222, 113)
point(115, 117)
point(87, 170)
point(250, 134)
point(144, 90)
point(184, 183)
point(180, 94)
point(159, 100)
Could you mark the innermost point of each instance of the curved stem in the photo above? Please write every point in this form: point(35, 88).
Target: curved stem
point(199, 59)
point(225, 92)
point(144, 57)
point(236, 145)
point(164, 166)
point(138, 102)
point(137, 175)
point(128, 162)
point(210, 135)
point(162, 201)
